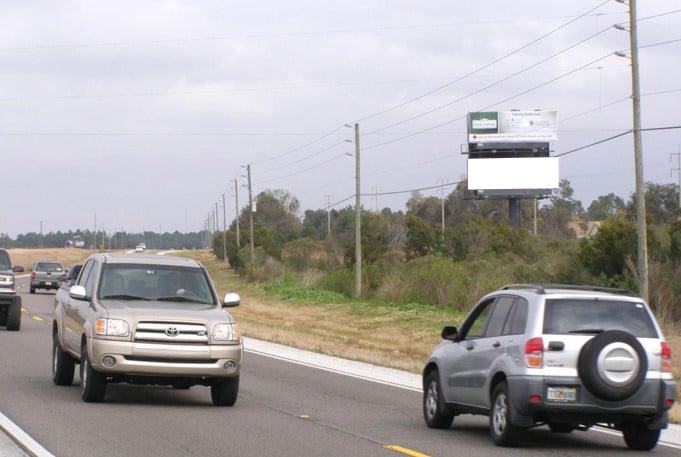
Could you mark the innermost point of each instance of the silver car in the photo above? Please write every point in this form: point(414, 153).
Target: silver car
point(569, 357)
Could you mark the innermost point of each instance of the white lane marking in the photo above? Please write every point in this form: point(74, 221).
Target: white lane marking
point(23, 440)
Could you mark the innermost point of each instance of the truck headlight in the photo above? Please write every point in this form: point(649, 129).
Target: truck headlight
point(226, 332)
point(111, 327)
point(6, 281)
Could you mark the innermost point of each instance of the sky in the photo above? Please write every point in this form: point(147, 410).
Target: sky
point(140, 115)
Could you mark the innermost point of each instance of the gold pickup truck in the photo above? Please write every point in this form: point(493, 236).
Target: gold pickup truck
point(146, 319)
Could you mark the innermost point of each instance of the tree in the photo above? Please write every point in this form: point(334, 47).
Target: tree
point(421, 237)
point(604, 207)
point(662, 203)
point(562, 210)
point(606, 254)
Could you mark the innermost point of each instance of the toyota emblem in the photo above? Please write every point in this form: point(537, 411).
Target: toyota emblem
point(172, 331)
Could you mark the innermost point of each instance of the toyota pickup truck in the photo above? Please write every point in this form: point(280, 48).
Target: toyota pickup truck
point(143, 319)
point(10, 302)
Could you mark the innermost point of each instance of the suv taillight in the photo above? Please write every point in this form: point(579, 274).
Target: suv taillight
point(534, 353)
point(33, 276)
point(666, 366)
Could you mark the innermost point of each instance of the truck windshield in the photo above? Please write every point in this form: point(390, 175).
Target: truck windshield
point(155, 282)
point(4, 261)
point(565, 316)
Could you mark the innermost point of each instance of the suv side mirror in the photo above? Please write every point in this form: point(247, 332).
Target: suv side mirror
point(450, 333)
point(231, 299)
point(78, 292)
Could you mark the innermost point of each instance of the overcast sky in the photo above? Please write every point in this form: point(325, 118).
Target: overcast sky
point(143, 113)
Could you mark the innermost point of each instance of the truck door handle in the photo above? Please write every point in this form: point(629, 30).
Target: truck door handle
point(496, 345)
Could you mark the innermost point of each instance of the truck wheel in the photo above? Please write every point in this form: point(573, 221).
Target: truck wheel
point(503, 432)
point(31, 289)
point(435, 413)
point(13, 322)
point(639, 438)
point(63, 365)
point(224, 393)
point(92, 383)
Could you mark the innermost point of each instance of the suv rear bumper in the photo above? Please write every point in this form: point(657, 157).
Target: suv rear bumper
point(646, 405)
point(56, 284)
point(166, 360)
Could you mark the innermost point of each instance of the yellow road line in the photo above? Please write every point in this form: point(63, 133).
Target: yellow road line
point(37, 318)
point(406, 451)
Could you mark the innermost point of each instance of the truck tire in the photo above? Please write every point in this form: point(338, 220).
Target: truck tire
point(639, 438)
point(92, 383)
point(63, 365)
point(13, 322)
point(224, 393)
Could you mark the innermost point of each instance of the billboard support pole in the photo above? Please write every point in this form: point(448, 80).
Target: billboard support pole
point(513, 211)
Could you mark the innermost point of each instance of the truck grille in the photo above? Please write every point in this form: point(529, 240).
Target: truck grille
point(171, 332)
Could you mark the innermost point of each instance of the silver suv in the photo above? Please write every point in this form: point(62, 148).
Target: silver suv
point(146, 319)
point(569, 357)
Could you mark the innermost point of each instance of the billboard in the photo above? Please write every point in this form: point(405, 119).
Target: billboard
point(511, 126)
point(513, 173)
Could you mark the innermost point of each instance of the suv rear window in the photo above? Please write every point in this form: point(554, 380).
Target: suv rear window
point(563, 316)
point(49, 266)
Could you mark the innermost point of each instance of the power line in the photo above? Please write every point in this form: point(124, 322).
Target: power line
point(273, 35)
point(610, 138)
point(437, 89)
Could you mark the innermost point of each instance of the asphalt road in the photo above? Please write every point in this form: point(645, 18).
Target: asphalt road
point(284, 410)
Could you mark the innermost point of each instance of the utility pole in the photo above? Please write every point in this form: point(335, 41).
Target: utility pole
point(441, 190)
point(95, 246)
point(358, 219)
point(250, 213)
point(41, 235)
point(377, 190)
point(224, 226)
point(236, 200)
point(217, 223)
point(638, 157)
point(677, 169)
point(328, 199)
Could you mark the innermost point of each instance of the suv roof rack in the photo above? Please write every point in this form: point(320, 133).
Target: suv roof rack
point(541, 288)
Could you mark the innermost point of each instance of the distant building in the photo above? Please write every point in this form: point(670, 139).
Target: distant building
point(584, 229)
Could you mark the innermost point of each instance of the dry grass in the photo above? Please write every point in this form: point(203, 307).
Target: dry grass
point(68, 256)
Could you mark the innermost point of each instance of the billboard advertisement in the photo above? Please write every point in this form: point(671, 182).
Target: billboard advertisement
point(513, 173)
point(509, 126)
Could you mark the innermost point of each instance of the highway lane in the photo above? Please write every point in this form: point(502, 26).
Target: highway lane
point(284, 409)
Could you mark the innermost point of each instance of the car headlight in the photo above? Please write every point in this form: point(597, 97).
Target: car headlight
point(111, 327)
point(6, 281)
point(226, 332)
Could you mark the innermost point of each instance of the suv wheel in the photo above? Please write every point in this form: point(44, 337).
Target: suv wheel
point(639, 438)
point(93, 383)
point(224, 393)
point(503, 432)
point(612, 365)
point(13, 322)
point(435, 413)
point(63, 365)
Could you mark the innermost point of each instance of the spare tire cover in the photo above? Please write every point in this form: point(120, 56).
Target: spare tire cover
point(612, 365)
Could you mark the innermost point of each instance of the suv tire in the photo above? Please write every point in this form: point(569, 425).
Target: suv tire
point(93, 383)
point(13, 322)
point(435, 413)
point(63, 365)
point(639, 437)
point(225, 393)
point(503, 432)
point(593, 373)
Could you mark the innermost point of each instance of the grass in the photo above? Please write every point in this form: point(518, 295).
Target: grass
point(396, 336)
point(27, 257)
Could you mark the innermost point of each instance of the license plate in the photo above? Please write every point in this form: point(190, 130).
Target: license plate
point(562, 394)
point(48, 283)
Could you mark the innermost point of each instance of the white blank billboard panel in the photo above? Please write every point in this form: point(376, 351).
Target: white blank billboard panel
point(513, 173)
